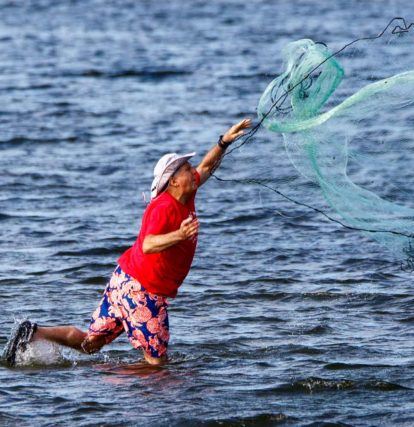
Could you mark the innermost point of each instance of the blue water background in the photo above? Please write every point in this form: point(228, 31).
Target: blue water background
point(281, 321)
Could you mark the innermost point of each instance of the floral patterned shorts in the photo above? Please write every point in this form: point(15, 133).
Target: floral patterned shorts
point(127, 306)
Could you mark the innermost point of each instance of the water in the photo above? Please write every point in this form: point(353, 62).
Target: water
point(290, 321)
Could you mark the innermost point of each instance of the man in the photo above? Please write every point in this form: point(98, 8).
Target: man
point(135, 300)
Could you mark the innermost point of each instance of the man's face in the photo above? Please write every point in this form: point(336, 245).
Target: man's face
point(185, 178)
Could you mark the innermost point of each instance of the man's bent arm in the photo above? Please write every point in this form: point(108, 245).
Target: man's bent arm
point(212, 158)
point(154, 243)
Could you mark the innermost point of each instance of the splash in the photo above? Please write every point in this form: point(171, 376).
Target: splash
point(335, 146)
point(42, 353)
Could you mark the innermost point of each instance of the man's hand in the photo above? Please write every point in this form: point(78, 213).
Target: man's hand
point(212, 159)
point(236, 130)
point(189, 227)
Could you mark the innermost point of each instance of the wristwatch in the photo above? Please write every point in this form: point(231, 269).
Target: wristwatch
point(223, 145)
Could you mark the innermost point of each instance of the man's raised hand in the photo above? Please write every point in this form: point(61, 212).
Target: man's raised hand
point(236, 131)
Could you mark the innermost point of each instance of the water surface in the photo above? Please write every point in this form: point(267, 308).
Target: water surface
point(282, 320)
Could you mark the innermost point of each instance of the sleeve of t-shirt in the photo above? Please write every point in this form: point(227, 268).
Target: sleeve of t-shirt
point(157, 221)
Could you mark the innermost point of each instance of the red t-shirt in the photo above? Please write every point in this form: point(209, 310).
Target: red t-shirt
point(162, 273)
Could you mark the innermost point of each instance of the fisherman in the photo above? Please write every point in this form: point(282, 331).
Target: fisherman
point(151, 271)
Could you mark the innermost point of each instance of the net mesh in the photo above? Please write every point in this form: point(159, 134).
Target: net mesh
point(346, 119)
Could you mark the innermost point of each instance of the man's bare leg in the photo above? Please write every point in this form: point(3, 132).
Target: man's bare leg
point(72, 337)
point(69, 336)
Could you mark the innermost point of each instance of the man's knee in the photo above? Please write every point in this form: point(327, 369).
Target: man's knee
point(156, 361)
point(92, 344)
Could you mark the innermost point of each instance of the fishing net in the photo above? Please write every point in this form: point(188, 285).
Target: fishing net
point(346, 119)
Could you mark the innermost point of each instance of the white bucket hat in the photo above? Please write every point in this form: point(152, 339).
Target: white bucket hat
point(165, 169)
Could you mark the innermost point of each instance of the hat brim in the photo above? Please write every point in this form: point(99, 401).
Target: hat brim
point(170, 170)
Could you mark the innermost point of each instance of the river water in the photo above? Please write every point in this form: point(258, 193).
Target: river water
point(280, 321)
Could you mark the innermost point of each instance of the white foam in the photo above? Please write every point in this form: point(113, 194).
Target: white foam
point(40, 352)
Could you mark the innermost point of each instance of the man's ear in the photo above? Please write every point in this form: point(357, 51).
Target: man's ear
point(172, 181)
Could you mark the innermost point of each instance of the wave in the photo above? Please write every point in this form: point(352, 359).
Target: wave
point(254, 420)
point(337, 366)
point(93, 251)
point(315, 384)
point(24, 88)
point(19, 140)
point(5, 216)
point(148, 74)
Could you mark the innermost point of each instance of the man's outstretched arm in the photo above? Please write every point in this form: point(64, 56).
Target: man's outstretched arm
point(212, 158)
